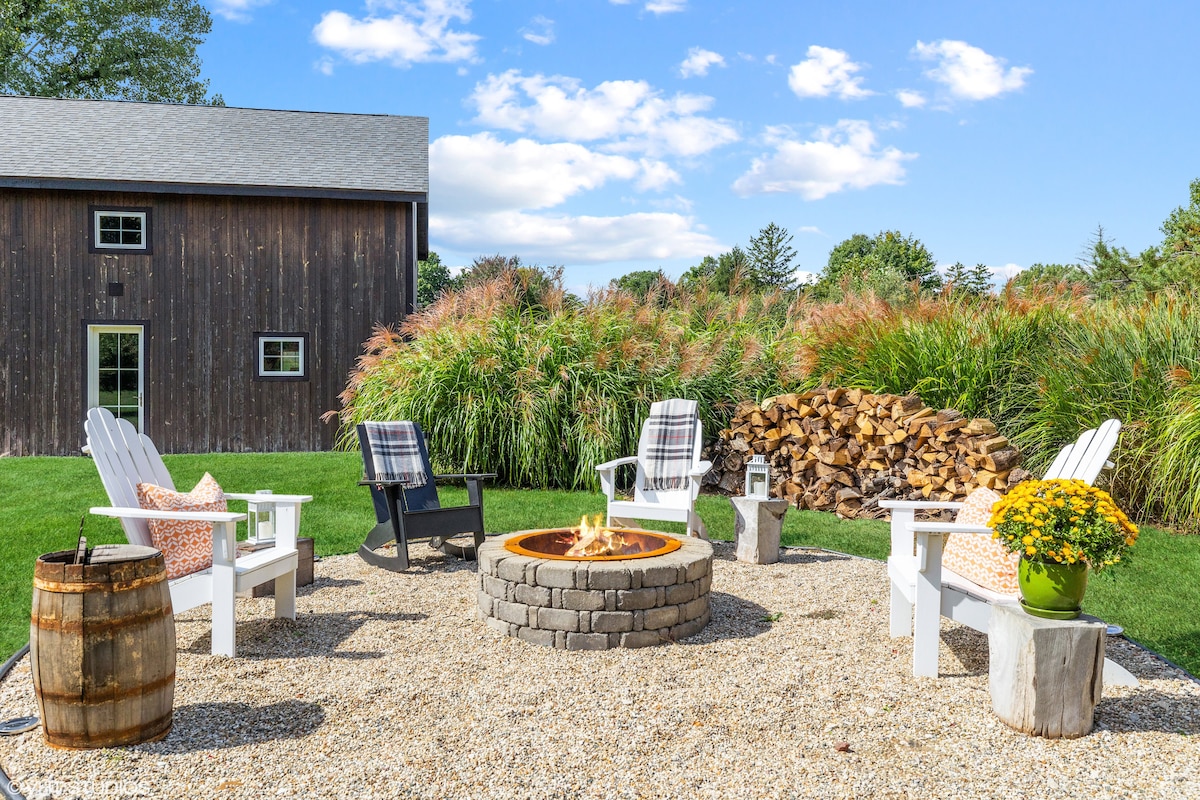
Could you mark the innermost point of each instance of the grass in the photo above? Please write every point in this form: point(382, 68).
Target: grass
point(1154, 597)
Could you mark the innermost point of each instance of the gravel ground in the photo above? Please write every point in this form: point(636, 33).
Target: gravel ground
point(388, 686)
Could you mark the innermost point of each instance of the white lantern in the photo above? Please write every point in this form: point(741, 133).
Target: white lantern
point(261, 518)
point(758, 478)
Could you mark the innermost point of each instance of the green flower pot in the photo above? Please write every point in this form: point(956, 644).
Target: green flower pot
point(1053, 591)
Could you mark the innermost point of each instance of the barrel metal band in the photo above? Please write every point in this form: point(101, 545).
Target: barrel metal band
point(95, 626)
point(81, 588)
point(90, 698)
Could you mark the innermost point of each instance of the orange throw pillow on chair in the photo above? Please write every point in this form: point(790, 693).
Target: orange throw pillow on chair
point(977, 556)
point(186, 545)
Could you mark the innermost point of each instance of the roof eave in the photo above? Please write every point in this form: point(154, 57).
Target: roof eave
point(163, 187)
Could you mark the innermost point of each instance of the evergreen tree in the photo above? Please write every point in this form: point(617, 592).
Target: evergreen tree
point(771, 256)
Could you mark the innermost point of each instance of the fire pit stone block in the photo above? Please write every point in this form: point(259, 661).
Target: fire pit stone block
point(595, 605)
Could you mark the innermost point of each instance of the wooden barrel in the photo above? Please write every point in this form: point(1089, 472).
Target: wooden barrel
point(102, 647)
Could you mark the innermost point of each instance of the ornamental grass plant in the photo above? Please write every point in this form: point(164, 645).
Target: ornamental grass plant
point(1063, 521)
point(541, 387)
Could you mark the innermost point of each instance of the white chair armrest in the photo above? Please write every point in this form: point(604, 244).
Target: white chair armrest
point(946, 527)
point(701, 468)
point(270, 498)
point(919, 505)
point(147, 513)
point(616, 462)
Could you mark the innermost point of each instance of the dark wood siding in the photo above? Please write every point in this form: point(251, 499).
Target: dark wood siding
point(222, 268)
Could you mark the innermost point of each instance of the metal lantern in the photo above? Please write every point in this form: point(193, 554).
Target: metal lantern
point(758, 478)
point(261, 518)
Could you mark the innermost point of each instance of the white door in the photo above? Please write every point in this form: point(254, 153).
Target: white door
point(115, 370)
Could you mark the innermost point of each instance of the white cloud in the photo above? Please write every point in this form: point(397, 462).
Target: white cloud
point(699, 61)
point(474, 174)
point(324, 65)
point(842, 156)
point(810, 229)
point(417, 32)
point(236, 10)
point(628, 116)
point(575, 239)
point(540, 30)
point(675, 203)
point(825, 72)
point(968, 72)
point(804, 277)
point(910, 98)
point(665, 6)
point(657, 6)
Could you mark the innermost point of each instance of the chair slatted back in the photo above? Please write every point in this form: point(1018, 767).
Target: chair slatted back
point(423, 498)
point(1086, 458)
point(124, 458)
point(681, 498)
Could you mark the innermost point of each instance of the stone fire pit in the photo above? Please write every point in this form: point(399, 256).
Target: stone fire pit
point(595, 604)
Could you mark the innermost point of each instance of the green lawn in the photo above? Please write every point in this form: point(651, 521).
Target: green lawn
point(1156, 597)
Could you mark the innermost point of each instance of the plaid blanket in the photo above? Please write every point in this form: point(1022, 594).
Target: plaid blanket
point(396, 453)
point(671, 429)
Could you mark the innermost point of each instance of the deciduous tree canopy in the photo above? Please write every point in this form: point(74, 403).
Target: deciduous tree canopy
point(121, 49)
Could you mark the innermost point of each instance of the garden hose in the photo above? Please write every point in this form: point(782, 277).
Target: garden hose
point(8, 789)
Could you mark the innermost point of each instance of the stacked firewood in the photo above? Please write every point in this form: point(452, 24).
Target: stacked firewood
point(844, 450)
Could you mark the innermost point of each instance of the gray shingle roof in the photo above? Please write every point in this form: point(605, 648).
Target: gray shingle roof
point(160, 146)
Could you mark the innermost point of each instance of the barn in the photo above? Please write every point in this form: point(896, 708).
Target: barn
point(207, 273)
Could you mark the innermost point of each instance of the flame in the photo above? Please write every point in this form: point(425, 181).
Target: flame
point(595, 540)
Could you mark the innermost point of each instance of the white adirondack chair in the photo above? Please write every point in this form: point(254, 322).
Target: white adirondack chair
point(125, 458)
point(672, 506)
point(922, 590)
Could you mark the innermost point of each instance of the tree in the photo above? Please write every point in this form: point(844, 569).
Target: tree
point(771, 256)
point(887, 252)
point(726, 273)
point(1049, 275)
point(979, 280)
point(642, 282)
point(956, 276)
point(125, 49)
point(433, 278)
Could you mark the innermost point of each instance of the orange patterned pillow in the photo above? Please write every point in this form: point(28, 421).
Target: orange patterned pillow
point(976, 556)
point(186, 545)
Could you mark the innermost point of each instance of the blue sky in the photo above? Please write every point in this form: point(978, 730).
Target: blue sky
point(612, 135)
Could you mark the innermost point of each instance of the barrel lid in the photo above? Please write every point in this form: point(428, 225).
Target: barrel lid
point(104, 554)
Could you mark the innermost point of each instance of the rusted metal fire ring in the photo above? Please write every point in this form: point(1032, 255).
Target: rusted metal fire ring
point(547, 543)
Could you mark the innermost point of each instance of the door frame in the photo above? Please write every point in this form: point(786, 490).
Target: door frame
point(91, 329)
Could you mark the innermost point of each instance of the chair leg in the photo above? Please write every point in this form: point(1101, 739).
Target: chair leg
point(380, 535)
point(224, 575)
point(285, 596)
point(900, 613)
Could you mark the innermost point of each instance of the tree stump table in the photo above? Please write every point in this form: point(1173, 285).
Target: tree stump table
point(757, 526)
point(1045, 675)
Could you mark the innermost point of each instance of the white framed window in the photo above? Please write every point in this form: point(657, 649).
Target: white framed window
point(281, 356)
point(119, 229)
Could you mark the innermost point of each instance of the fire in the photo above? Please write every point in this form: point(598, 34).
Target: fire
point(595, 540)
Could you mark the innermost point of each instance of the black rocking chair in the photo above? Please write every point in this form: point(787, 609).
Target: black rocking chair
point(404, 515)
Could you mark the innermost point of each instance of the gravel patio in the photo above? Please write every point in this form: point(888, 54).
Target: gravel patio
point(388, 685)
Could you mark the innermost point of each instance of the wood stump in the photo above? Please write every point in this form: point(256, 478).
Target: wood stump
point(1045, 675)
point(757, 526)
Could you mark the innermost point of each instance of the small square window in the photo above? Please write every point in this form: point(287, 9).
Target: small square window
point(123, 229)
point(281, 356)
